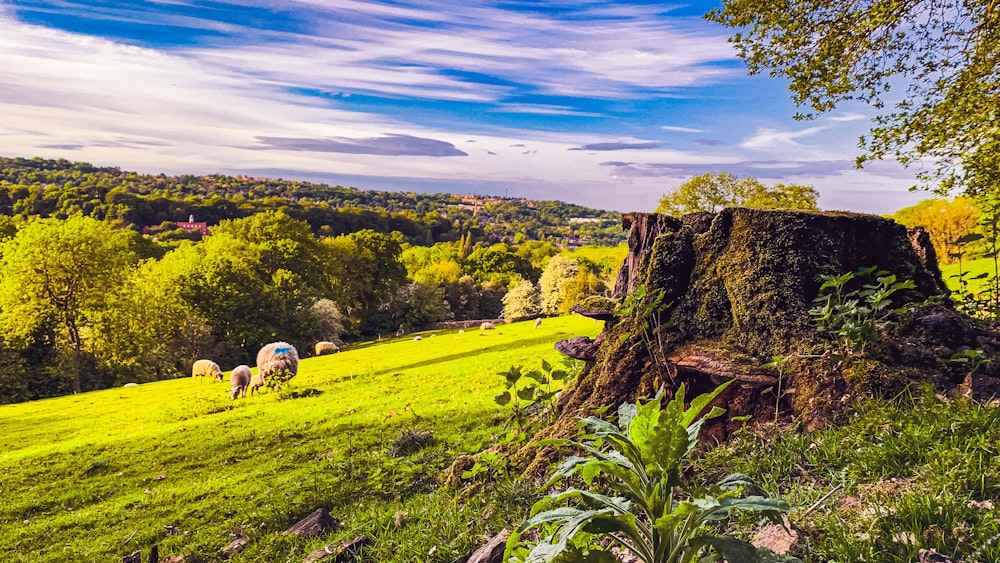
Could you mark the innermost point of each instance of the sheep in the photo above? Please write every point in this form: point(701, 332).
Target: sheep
point(418, 338)
point(256, 382)
point(239, 379)
point(486, 326)
point(538, 322)
point(326, 347)
point(277, 363)
point(206, 368)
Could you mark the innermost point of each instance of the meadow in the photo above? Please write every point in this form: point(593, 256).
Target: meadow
point(370, 434)
point(365, 433)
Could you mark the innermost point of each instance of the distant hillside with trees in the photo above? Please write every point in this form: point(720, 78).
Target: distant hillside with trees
point(38, 187)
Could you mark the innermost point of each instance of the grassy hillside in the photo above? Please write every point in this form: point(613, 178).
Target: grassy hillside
point(971, 268)
point(94, 476)
point(367, 434)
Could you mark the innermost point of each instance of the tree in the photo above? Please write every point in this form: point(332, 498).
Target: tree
point(58, 275)
point(150, 332)
point(942, 56)
point(365, 269)
point(713, 192)
point(945, 221)
point(522, 301)
point(553, 282)
point(329, 319)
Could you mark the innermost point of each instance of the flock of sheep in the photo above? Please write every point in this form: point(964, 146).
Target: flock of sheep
point(277, 363)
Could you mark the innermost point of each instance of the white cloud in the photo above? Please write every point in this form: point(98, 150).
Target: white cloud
point(679, 129)
point(847, 117)
point(765, 138)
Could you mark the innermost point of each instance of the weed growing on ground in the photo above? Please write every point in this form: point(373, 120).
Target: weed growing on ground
point(652, 513)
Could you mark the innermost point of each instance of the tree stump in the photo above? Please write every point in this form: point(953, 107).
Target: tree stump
point(737, 287)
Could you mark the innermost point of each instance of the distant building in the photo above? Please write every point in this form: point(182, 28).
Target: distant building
point(190, 226)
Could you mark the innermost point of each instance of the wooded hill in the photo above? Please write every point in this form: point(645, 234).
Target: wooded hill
point(60, 188)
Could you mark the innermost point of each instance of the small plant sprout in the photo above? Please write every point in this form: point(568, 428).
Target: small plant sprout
point(649, 510)
point(521, 394)
point(974, 358)
point(647, 308)
point(779, 363)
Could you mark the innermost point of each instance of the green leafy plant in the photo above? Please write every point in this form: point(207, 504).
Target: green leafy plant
point(853, 317)
point(646, 307)
point(973, 357)
point(650, 512)
point(779, 363)
point(524, 390)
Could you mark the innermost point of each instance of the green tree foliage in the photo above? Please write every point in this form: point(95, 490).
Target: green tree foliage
point(41, 188)
point(220, 279)
point(499, 265)
point(946, 220)
point(365, 269)
point(285, 244)
point(55, 277)
point(554, 282)
point(713, 192)
point(522, 301)
point(150, 332)
point(414, 305)
point(329, 320)
point(935, 63)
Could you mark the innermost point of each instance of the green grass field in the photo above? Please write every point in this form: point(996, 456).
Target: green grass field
point(369, 432)
point(95, 476)
point(971, 268)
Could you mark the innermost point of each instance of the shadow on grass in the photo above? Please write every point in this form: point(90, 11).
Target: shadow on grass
point(523, 343)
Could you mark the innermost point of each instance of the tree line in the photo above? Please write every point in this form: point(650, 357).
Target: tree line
point(39, 187)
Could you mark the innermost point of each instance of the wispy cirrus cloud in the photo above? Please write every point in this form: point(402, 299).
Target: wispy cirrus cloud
point(766, 138)
point(617, 146)
point(388, 145)
point(678, 129)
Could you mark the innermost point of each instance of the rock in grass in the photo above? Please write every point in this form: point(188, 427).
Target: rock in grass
point(235, 546)
point(345, 553)
point(492, 552)
point(317, 523)
point(931, 556)
point(780, 539)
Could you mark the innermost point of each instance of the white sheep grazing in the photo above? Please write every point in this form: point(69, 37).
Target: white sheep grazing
point(538, 322)
point(418, 338)
point(326, 347)
point(486, 326)
point(239, 380)
point(277, 363)
point(206, 368)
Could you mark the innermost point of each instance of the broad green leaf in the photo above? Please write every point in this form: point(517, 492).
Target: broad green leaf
point(734, 550)
point(526, 393)
point(537, 376)
point(502, 399)
point(626, 413)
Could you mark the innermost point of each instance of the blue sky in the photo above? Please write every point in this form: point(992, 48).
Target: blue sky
point(606, 104)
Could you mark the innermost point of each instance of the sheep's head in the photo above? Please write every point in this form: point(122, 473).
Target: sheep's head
point(234, 392)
